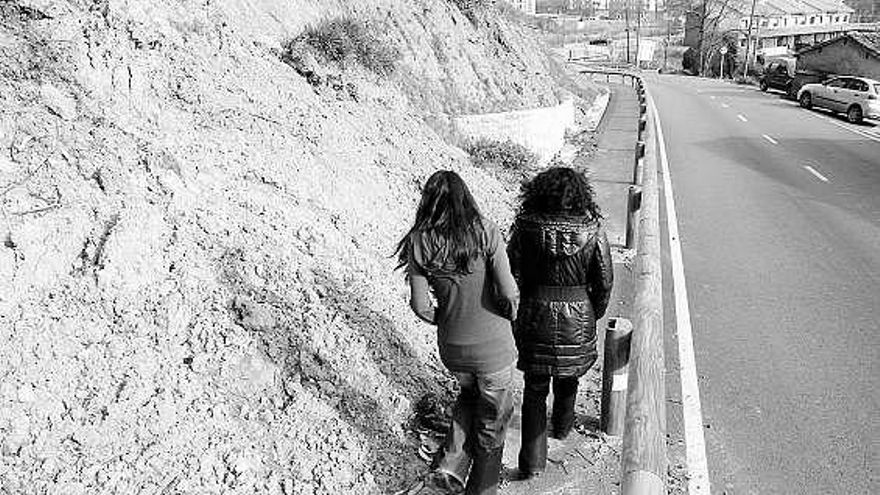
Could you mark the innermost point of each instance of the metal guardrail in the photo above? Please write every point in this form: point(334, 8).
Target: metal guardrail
point(644, 461)
point(608, 71)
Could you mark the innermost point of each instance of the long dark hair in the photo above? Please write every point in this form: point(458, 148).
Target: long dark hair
point(448, 227)
point(559, 190)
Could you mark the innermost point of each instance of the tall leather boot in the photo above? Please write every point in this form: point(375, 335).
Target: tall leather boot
point(533, 449)
point(564, 398)
point(485, 471)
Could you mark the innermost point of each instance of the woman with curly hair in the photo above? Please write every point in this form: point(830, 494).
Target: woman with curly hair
point(460, 257)
point(561, 260)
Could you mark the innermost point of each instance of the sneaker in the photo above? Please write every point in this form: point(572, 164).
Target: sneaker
point(446, 482)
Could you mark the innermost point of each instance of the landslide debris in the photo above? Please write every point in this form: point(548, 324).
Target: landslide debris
point(196, 294)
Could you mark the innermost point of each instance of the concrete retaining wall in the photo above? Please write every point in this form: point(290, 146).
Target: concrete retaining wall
point(541, 130)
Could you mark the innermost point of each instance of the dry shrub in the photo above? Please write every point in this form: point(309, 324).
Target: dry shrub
point(344, 40)
point(505, 154)
point(473, 8)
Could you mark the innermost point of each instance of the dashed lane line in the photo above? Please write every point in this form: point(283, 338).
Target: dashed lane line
point(697, 465)
point(742, 117)
point(725, 105)
point(816, 173)
point(768, 138)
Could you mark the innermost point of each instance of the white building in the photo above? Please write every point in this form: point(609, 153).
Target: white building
point(781, 25)
point(616, 8)
point(527, 6)
point(776, 14)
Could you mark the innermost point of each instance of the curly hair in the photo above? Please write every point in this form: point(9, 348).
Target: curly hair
point(559, 190)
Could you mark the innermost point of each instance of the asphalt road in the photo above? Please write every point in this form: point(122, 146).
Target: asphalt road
point(779, 216)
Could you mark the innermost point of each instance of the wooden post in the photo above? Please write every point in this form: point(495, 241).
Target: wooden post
point(614, 375)
point(644, 462)
point(633, 205)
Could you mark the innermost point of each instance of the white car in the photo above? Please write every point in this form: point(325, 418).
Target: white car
point(857, 97)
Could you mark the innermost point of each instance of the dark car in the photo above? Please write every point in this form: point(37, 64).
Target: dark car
point(778, 75)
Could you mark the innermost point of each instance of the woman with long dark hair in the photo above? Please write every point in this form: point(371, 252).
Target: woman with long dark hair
point(561, 260)
point(459, 256)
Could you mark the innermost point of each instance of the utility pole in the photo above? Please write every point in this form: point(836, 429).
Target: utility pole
point(562, 21)
point(666, 45)
point(626, 16)
point(702, 37)
point(749, 39)
point(638, 31)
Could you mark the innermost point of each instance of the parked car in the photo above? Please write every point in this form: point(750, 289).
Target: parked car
point(777, 75)
point(780, 74)
point(857, 97)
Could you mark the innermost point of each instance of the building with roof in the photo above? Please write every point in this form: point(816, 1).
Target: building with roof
point(779, 27)
point(603, 8)
point(854, 53)
point(785, 26)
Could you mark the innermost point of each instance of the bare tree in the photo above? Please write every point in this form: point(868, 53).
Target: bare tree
point(714, 20)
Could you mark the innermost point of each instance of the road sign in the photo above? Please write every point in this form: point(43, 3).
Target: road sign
point(724, 50)
point(646, 50)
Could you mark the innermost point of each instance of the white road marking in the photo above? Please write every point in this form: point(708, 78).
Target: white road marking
point(712, 96)
point(742, 117)
point(768, 138)
point(698, 469)
point(816, 173)
point(725, 105)
point(843, 126)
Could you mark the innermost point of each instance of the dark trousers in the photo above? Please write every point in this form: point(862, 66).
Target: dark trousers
point(533, 453)
point(474, 444)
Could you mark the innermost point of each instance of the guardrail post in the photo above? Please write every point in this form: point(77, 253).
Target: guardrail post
point(640, 151)
point(614, 375)
point(633, 204)
point(637, 168)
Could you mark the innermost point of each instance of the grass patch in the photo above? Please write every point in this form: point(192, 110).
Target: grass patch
point(344, 41)
point(504, 154)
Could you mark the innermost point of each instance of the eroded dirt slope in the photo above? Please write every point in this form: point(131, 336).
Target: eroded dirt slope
point(196, 294)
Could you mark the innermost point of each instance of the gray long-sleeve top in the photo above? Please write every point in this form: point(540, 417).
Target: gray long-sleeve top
point(473, 310)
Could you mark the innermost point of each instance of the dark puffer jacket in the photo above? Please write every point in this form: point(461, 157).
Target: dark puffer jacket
point(562, 265)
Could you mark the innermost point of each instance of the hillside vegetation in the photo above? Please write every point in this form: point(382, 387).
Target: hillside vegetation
point(198, 202)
